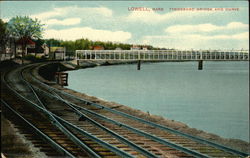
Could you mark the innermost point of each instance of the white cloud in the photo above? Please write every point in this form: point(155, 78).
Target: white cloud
point(54, 16)
point(46, 15)
point(73, 11)
point(190, 29)
point(101, 10)
point(87, 32)
point(66, 22)
point(197, 41)
point(203, 36)
point(237, 25)
point(154, 17)
point(241, 36)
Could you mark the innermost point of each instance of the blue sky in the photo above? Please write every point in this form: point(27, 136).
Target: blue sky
point(118, 21)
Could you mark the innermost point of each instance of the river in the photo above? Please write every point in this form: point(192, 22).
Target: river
point(215, 99)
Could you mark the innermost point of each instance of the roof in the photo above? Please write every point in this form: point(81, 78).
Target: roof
point(98, 48)
point(57, 49)
point(25, 41)
point(135, 46)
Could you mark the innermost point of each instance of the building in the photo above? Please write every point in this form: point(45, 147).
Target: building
point(45, 49)
point(27, 44)
point(7, 51)
point(118, 48)
point(138, 47)
point(135, 47)
point(57, 53)
point(98, 48)
point(13, 48)
point(144, 47)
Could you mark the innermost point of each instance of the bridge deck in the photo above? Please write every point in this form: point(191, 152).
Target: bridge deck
point(161, 55)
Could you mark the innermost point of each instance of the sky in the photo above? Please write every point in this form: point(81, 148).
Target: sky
point(168, 24)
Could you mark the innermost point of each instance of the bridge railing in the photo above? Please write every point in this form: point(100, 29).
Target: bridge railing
point(162, 55)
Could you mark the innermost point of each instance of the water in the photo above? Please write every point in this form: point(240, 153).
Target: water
point(214, 99)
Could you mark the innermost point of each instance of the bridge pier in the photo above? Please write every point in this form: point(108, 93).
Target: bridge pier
point(139, 65)
point(200, 64)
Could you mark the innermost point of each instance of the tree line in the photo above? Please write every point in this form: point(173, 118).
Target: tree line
point(86, 44)
point(24, 27)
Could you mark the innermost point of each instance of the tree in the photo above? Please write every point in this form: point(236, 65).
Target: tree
point(24, 28)
point(3, 36)
point(53, 42)
point(70, 47)
point(38, 49)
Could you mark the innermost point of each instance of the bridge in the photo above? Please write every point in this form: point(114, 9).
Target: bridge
point(163, 55)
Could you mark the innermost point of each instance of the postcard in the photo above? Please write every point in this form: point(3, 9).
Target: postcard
point(124, 78)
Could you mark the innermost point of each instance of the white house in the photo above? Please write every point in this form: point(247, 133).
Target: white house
point(138, 47)
point(29, 48)
point(45, 49)
point(135, 47)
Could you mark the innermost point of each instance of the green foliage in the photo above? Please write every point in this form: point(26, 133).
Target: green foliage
point(70, 45)
point(2, 29)
point(3, 34)
point(24, 27)
point(53, 42)
point(39, 42)
point(83, 44)
point(86, 44)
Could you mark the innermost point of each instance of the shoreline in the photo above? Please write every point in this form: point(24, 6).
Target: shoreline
point(67, 66)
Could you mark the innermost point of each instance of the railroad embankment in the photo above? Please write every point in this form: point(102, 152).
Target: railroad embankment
point(13, 142)
point(46, 73)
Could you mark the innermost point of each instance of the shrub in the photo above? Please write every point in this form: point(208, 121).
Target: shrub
point(33, 58)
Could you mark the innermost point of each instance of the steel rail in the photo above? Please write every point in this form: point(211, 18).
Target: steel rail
point(142, 133)
point(54, 144)
point(114, 134)
point(99, 141)
point(195, 138)
point(32, 89)
point(137, 131)
point(54, 121)
point(122, 139)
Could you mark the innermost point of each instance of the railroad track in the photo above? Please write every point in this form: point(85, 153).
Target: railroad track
point(34, 125)
point(62, 139)
point(127, 133)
